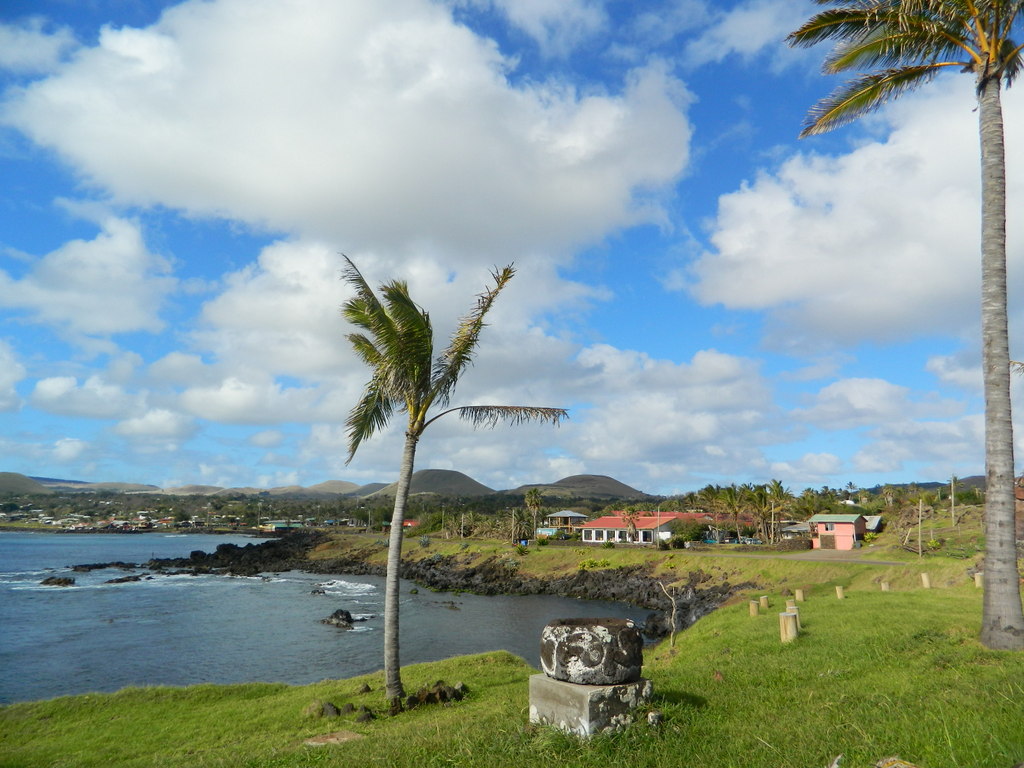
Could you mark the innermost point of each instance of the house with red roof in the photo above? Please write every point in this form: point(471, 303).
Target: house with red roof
point(650, 527)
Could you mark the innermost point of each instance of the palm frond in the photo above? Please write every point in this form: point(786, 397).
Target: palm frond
point(895, 50)
point(459, 353)
point(850, 22)
point(1017, 367)
point(862, 95)
point(370, 414)
point(491, 415)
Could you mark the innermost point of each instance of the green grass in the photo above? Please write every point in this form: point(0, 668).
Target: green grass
point(874, 675)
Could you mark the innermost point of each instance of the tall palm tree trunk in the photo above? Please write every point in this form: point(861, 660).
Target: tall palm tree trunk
point(1003, 619)
point(393, 689)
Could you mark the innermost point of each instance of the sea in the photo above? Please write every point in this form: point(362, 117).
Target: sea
point(183, 629)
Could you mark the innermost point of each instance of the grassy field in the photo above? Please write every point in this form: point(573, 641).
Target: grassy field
point(873, 675)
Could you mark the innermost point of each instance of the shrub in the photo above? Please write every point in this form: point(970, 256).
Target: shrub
point(542, 541)
point(608, 545)
point(592, 563)
point(424, 541)
point(522, 549)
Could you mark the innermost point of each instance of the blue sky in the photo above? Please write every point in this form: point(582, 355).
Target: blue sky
point(713, 299)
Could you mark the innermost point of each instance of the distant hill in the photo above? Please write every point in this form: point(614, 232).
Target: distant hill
point(81, 486)
point(194, 490)
point(13, 483)
point(368, 490)
point(443, 482)
point(586, 487)
point(341, 487)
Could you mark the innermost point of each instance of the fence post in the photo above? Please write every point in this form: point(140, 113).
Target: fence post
point(979, 579)
point(839, 593)
point(799, 595)
point(788, 629)
point(926, 581)
point(753, 608)
point(764, 602)
point(885, 586)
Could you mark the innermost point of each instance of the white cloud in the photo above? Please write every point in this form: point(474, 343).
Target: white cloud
point(11, 372)
point(880, 244)
point(748, 29)
point(29, 48)
point(859, 402)
point(358, 122)
point(69, 449)
point(557, 26)
point(108, 285)
point(158, 423)
point(239, 401)
point(93, 398)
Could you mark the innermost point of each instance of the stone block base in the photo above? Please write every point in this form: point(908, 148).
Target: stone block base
point(585, 709)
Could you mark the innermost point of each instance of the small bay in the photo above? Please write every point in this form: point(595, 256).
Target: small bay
point(184, 629)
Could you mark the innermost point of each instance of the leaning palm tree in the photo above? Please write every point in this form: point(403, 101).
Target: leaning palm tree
point(398, 346)
point(897, 45)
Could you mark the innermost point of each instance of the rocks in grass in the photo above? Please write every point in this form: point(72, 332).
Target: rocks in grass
point(438, 693)
point(321, 708)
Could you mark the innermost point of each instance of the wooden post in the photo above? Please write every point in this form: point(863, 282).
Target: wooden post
point(788, 629)
point(885, 586)
point(979, 579)
point(791, 608)
point(799, 595)
point(839, 593)
point(764, 602)
point(926, 581)
point(753, 608)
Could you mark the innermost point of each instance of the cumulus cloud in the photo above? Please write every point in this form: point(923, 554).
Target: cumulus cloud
point(239, 401)
point(879, 244)
point(557, 26)
point(93, 398)
point(859, 402)
point(111, 284)
point(358, 123)
point(69, 449)
point(749, 28)
point(11, 372)
point(158, 423)
point(30, 48)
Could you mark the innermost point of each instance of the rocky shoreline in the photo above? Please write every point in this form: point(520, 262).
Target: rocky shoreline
point(696, 597)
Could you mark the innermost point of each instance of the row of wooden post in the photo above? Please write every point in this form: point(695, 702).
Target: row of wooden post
point(789, 620)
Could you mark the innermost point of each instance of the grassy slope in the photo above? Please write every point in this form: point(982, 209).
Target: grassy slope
point(873, 675)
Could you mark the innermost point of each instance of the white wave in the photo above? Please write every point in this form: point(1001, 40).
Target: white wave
point(348, 588)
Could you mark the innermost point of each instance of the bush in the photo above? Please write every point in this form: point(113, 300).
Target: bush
point(424, 541)
point(542, 541)
point(608, 545)
point(522, 549)
point(592, 563)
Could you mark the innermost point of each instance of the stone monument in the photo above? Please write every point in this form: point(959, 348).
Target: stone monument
point(591, 680)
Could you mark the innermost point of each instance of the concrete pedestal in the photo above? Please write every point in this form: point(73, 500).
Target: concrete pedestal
point(585, 709)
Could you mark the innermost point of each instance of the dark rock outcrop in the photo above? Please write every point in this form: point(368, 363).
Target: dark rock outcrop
point(341, 619)
point(58, 581)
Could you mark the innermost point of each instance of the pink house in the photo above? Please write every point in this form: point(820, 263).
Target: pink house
point(837, 531)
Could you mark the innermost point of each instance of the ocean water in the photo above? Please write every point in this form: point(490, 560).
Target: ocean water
point(181, 630)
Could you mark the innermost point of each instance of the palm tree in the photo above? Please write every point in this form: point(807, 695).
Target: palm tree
point(398, 347)
point(781, 497)
point(898, 45)
point(534, 501)
point(731, 500)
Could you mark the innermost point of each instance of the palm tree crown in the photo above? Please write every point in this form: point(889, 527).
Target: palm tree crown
point(899, 44)
point(397, 343)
